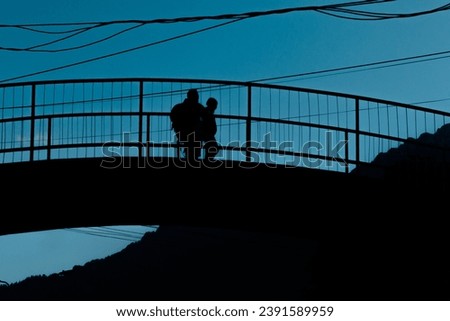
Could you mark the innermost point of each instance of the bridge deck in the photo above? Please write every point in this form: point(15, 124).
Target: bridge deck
point(69, 193)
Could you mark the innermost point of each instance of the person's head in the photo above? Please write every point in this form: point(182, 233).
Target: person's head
point(192, 95)
point(211, 104)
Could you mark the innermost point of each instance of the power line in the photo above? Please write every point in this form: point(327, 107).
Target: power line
point(139, 23)
point(119, 52)
point(32, 49)
point(120, 230)
point(367, 15)
point(191, 19)
point(24, 27)
point(431, 101)
point(97, 234)
point(373, 65)
point(228, 16)
point(82, 30)
point(105, 232)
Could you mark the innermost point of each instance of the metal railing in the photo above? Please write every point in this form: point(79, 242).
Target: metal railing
point(256, 122)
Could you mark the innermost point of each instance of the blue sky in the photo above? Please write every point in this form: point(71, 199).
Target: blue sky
point(47, 252)
point(263, 47)
point(252, 49)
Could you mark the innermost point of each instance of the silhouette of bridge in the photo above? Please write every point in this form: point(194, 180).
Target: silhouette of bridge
point(69, 127)
point(257, 122)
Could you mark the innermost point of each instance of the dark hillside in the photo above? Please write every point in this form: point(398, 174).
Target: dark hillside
point(186, 263)
point(176, 263)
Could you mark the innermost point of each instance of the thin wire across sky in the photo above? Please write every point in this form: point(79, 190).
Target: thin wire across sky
point(111, 232)
point(342, 10)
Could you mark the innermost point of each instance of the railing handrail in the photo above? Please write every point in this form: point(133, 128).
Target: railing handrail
point(247, 116)
point(227, 83)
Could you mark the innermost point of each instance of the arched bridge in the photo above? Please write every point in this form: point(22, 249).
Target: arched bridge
point(55, 135)
point(257, 122)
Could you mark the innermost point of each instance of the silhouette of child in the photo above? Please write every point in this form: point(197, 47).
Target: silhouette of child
point(208, 129)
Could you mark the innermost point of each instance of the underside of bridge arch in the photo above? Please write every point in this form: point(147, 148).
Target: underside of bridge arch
point(44, 195)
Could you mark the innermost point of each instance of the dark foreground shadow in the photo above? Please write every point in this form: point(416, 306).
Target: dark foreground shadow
point(259, 234)
point(191, 263)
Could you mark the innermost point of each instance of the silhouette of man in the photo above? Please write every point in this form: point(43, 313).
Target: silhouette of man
point(209, 129)
point(185, 119)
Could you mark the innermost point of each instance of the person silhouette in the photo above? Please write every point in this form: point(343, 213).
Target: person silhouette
point(185, 118)
point(208, 130)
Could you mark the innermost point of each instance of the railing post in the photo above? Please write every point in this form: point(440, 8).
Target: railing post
point(33, 119)
point(248, 127)
point(49, 137)
point(141, 115)
point(346, 152)
point(357, 131)
point(147, 144)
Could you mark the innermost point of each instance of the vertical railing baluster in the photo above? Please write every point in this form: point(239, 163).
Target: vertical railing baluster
point(141, 115)
point(357, 151)
point(346, 151)
point(49, 137)
point(148, 145)
point(33, 120)
point(248, 129)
